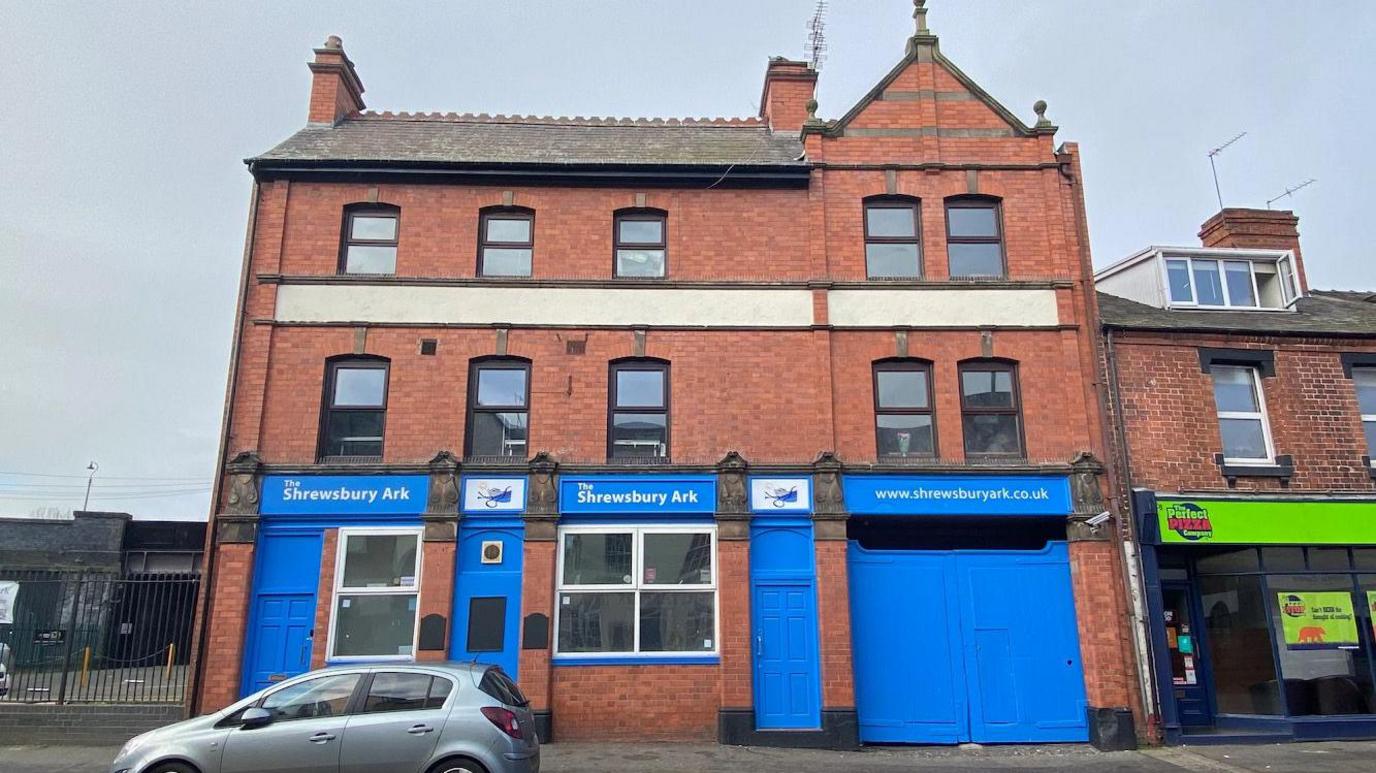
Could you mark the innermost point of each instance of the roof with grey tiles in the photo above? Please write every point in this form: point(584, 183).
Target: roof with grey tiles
point(458, 140)
point(1321, 313)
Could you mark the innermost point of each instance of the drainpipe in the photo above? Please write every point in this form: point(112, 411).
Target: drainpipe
point(231, 387)
point(1132, 557)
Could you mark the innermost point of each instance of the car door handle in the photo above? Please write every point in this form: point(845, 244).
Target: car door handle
point(420, 729)
point(321, 738)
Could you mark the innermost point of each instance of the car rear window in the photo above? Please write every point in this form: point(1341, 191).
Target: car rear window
point(497, 684)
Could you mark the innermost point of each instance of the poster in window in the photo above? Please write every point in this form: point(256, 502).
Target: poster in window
point(9, 592)
point(1317, 620)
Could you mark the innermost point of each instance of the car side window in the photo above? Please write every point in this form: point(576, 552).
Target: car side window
point(323, 696)
point(397, 691)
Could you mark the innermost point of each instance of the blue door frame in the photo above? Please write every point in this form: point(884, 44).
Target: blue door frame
point(966, 645)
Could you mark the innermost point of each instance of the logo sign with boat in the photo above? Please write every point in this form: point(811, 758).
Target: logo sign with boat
point(494, 495)
point(781, 495)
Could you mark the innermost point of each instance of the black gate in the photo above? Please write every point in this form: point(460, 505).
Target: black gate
point(98, 638)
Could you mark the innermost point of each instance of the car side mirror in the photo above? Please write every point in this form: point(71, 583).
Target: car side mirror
point(255, 717)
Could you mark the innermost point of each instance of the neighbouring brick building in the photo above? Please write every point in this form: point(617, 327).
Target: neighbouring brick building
point(770, 429)
point(1247, 407)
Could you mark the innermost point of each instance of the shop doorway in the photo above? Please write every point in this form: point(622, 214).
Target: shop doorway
point(1190, 674)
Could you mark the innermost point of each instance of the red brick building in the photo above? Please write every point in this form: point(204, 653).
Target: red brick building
point(750, 429)
point(1247, 413)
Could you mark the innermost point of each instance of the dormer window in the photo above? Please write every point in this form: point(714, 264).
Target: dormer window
point(1220, 283)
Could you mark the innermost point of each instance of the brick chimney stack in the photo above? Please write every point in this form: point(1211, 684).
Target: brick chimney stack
point(1256, 229)
point(336, 91)
point(788, 88)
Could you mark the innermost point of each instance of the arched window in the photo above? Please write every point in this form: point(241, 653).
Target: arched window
point(506, 241)
point(893, 237)
point(904, 424)
point(638, 409)
point(369, 242)
point(498, 422)
point(640, 241)
point(354, 408)
point(974, 237)
point(991, 408)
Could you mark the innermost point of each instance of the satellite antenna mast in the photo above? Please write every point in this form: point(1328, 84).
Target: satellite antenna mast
point(817, 37)
point(1212, 166)
point(1290, 191)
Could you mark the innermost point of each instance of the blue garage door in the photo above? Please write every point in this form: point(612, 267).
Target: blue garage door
point(956, 646)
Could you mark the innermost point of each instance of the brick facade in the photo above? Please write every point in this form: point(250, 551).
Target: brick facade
point(778, 396)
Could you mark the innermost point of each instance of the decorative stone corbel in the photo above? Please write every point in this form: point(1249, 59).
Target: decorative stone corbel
point(441, 516)
point(239, 521)
point(733, 504)
point(1087, 499)
point(828, 502)
point(542, 500)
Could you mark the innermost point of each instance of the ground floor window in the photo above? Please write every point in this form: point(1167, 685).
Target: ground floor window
point(636, 590)
point(1289, 630)
point(375, 594)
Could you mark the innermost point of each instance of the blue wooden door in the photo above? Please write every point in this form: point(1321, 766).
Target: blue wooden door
point(787, 688)
point(281, 641)
point(955, 646)
point(908, 659)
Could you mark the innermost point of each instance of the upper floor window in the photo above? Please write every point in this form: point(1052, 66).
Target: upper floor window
point(498, 408)
point(638, 415)
point(1365, 379)
point(1221, 283)
point(640, 238)
point(506, 241)
point(974, 237)
point(355, 408)
point(1242, 414)
point(370, 239)
point(903, 423)
point(991, 412)
point(893, 247)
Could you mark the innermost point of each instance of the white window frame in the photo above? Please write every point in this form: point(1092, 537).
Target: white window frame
point(338, 589)
point(1260, 414)
point(636, 587)
point(1284, 268)
point(1367, 418)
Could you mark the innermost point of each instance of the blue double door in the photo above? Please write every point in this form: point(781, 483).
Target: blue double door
point(966, 646)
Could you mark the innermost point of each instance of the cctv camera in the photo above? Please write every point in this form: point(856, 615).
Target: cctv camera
point(1099, 520)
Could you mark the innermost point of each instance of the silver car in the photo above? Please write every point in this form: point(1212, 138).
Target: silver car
point(431, 718)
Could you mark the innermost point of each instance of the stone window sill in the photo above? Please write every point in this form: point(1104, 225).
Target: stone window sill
point(1284, 468)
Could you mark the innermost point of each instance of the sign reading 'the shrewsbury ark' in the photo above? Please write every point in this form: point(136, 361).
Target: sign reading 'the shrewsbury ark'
point(343, 494)
point(610, 494)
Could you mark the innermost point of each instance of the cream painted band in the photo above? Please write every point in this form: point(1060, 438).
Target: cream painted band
point(666, 307)
point(942, 308)
point(583, 306)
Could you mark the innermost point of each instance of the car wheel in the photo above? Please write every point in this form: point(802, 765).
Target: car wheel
point(458, 766)
point(172, 767)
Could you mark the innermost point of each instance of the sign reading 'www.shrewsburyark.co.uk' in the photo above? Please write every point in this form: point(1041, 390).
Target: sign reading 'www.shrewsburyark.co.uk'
point(343, 494)
point(638, 494)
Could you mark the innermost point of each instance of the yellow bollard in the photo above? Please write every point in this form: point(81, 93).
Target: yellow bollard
point(86, 666)
point(171, 656)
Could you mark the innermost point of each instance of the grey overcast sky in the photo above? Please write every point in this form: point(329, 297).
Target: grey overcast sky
point(123, 198)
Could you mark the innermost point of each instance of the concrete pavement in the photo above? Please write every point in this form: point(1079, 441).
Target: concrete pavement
point(1338, 757)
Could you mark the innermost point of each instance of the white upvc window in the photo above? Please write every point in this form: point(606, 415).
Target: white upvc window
point(376, 594)
point(1242, 415)
point(636, 591)
point(1224, 283)
point(1365, 379)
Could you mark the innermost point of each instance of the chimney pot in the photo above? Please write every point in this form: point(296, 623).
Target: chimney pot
point(334, 42)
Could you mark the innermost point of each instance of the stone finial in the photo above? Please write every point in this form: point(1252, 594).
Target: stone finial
point(334, 43)
point(1040, 109)
point(920, 16)
point(812, 111)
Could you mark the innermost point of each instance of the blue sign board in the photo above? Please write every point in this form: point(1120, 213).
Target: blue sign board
point(664, 494)
point(957, 494)
point(344, 494)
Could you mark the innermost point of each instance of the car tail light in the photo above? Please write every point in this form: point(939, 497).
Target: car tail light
point(504, 720)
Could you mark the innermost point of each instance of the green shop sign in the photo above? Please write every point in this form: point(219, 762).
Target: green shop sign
point(1242, 522)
